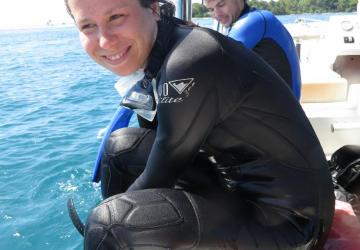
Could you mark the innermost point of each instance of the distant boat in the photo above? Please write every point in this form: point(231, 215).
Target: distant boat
point(49, 23)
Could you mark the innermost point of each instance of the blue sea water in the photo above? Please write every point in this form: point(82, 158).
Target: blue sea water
point(53, 102)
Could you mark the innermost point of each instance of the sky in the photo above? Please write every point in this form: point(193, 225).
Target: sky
point(15, 13)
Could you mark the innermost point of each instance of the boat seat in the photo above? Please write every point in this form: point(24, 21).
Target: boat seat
point(322, 85)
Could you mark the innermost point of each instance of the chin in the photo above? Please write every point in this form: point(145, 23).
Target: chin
point(124, 72)
point(226, 25)
point(129, 69)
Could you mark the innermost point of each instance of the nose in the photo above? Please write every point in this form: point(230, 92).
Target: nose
point(106, 38)
point(217, 13)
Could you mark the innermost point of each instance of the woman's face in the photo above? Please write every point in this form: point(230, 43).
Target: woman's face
point(117, 34)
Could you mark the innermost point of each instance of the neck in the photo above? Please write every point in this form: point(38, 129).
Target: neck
point(160, 47)
point(244, 10)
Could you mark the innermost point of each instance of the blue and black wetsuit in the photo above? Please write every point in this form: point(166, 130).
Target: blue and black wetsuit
point(261, 31)
point(233, 163)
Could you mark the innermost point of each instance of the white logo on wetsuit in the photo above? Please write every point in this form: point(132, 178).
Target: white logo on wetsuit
point(181, 87)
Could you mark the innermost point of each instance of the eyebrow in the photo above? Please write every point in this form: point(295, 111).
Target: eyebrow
point(108, 12)
point(222, 1)
point(83, 21)
point(121, 6)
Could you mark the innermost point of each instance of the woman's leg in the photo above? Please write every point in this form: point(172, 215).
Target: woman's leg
point(125, 156)
point(172, 219)
point(159, 219)
point(175, 219)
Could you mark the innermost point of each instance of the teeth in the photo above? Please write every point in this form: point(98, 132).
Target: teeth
point(115, 57)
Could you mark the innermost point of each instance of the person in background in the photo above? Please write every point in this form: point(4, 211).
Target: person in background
point(261, 31)
point(233, 162)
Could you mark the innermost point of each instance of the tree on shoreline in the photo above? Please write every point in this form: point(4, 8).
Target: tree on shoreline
point(199, 10)
point(286, 7)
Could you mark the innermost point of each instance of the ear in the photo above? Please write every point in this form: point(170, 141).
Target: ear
point(155, 7)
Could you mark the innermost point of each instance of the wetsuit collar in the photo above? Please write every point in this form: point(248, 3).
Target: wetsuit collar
point(245, 10)
point(160, 48)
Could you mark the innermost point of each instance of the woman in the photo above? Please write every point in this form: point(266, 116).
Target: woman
point(233, 163)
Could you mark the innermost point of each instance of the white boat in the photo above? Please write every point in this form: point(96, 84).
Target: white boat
point(330, 71)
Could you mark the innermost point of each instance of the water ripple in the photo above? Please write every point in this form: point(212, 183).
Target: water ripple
point(53, 101)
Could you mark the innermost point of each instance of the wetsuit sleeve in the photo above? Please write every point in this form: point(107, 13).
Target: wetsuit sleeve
point(187, 111)
point(249, 30)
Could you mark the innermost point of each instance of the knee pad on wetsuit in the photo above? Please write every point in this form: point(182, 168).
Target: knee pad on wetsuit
point(141, 220)
point(157, 219)
point(124, 158)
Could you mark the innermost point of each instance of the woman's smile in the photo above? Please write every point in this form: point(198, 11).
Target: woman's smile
point(118, 57)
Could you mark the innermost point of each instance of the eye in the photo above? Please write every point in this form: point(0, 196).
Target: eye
point(87, 27)
point(115, 17)
point(221, 4)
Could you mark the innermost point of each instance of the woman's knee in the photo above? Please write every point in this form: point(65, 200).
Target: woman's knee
point(142, 218)
point(165, 218)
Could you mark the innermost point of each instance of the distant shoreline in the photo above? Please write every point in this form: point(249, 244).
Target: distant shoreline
point(70, 24)
point(37, 26)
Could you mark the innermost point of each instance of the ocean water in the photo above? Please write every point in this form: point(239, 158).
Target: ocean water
point(53, 102)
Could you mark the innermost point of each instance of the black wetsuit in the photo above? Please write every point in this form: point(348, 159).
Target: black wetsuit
point(233, 164)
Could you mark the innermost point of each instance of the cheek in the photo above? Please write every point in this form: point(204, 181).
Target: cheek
point(142, 47)
point(222, 11)
point(86, 43)
point(148, 34)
